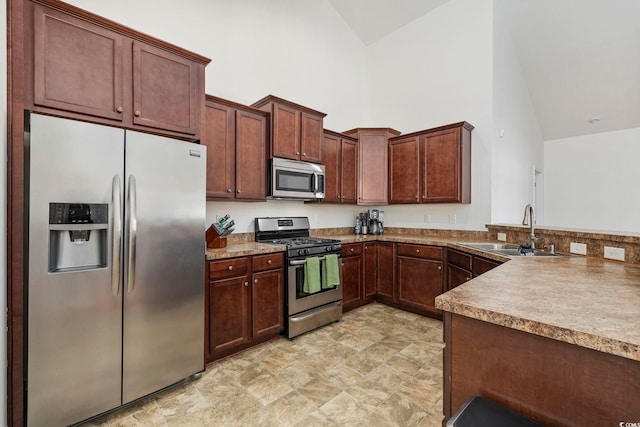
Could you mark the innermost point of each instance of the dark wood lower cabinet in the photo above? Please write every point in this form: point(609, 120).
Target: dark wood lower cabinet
point(386, 272)
point(244, 303)
point(419, 283)
point(370, 270)
point(550, 381)
point(352, 276)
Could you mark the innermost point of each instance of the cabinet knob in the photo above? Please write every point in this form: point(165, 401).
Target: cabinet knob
point(136, 113)
point(416, 197)
point(229, 190)
point(417, 251)
point(342, 264)
point(246, 283)
point(439, 267)
point(297, 153)
point(119, 109)
point(230, 267)
point(366, 247)
point(352, 249)
point(468, 278)
point(337, 196)
point(269, 262)
point(238, 191)
point(304, 154)
point(255, 280)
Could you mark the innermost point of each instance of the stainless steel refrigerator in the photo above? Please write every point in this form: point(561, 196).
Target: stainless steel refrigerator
point(115, 291)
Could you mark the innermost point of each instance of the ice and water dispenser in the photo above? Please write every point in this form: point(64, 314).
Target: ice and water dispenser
point(77, 236)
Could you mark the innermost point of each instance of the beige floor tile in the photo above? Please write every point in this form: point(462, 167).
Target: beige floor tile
point(378, 366)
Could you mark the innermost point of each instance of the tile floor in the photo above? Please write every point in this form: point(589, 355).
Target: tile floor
point(377, 367)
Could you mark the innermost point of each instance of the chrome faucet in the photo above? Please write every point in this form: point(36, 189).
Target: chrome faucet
point(528, 213)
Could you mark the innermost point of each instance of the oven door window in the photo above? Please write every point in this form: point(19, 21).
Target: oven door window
point(300, 293)
point(294, 181)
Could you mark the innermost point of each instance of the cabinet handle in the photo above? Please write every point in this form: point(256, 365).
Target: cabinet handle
point(229, 190)
point(269, 262)
point(119, 109)
point(255, 281)
point(230, 268)
point(136, 113)
point(439, 267)
point(246, 283)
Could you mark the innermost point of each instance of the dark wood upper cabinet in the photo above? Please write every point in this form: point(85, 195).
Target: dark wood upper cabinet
point(236, 140)
point(296, 131)
point(404, 170)
point(86, 67)
point(443, 173)
point(339, 156)
point(372, 163)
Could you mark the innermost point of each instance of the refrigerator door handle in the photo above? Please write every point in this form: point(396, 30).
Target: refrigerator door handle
point(133, 228)
point(117, 235)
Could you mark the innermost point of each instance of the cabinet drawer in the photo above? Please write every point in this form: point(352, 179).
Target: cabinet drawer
point(420, 251)
point(459, 259)
point(268, 262)
point(351, 250)
point(228, 268)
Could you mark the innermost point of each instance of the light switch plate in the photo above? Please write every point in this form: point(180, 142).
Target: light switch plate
point(502, 237)
point(614, 253)
point(578, 248)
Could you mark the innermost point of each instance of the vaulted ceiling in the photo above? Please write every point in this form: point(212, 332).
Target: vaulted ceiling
point(580, 58)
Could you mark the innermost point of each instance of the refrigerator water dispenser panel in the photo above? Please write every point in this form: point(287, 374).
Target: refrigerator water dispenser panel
point(77, 236)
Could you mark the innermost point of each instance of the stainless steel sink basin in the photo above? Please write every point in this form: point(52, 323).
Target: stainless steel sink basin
point(509, 249)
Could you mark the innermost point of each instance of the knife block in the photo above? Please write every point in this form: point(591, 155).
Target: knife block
point(214, 241)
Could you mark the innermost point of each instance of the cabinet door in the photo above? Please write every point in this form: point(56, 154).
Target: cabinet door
point(351, 281)
point(482, 265)
point(229, 307)
point(456, 276)
point(311, 137)
point(218, 134)
point(404, 170)
point(420, 281)
point(349, 172)
point(268, 303)
point(386, 270)
point(373, 166)
point(251, 152)
point(78, 66)
point(332, 171)
point(441, 172)
point(166, 91)
point(286, 132)
point(370, 269)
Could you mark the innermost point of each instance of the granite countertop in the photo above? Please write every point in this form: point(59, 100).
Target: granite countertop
point(585, 301)
point(589, 302)
point(244, 248)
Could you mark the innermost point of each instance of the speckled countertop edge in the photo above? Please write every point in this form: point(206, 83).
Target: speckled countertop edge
point(501, 297)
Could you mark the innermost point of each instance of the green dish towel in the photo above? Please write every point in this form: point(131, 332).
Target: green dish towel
point(311, 283)
point(330, 271)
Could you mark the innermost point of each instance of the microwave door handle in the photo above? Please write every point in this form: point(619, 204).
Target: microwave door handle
point(315, 183)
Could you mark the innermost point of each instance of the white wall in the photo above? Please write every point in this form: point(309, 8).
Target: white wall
point(521, 147)
point(591, 181)
point(434, 71)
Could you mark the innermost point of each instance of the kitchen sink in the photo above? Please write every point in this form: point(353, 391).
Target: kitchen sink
point(509, 249)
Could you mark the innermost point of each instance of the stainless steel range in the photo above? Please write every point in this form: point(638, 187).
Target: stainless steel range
point(308, 305)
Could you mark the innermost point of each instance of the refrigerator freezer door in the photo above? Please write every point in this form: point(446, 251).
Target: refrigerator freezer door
point(163, 340)
point(74, 317)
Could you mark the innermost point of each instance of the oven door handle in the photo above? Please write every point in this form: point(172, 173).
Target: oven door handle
point(304, 261)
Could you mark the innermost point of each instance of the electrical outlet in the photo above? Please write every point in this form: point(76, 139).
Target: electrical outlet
point(578, 248)
point(502, 237)
point(614, 253)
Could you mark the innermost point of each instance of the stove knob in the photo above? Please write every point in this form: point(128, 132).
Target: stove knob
point(328, 248)
point(306, 251)
point(299, 251)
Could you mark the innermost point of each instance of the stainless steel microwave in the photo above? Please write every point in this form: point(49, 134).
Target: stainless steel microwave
point(291, 179)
